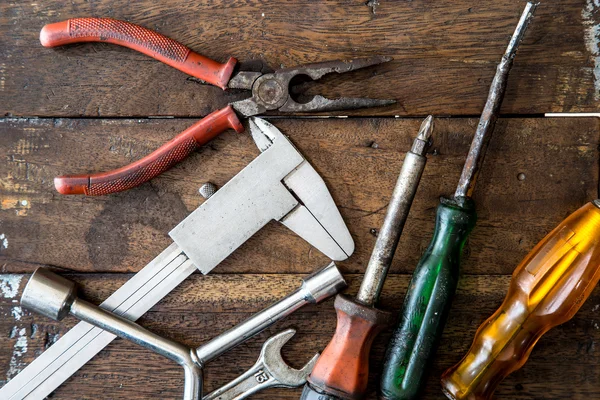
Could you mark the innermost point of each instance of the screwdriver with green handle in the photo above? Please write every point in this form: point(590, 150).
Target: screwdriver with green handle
point(427, 302)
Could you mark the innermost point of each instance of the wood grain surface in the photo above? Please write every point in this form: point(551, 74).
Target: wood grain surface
point(358, 158)
point(105, 238)
point(86, 108)
point(445, 53)
point(562, 366)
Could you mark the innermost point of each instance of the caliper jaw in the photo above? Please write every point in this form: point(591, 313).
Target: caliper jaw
point(316, 218)
point(277, 185)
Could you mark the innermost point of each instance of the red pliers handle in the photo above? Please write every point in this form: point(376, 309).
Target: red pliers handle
point(169, 52)
point(138, 38)
point(155, 163)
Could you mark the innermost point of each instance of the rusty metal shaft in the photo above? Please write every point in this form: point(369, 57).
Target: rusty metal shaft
point(395, 217)
point(342, 370)
point(466, 184)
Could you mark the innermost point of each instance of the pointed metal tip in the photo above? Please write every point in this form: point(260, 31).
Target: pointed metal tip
point(278, 340)
point(260, 130)
point(320, 104)
point(387, 102)
point(426, 129)
point(522, 26)
point(255, 130)
point(307, 369)
point(358, 63)
point(286, 335)
point(252, 124)
point(531, 6)
point(369, 61)
point(423, 140)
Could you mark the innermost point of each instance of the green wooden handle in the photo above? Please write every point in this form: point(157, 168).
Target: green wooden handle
point(427, 302)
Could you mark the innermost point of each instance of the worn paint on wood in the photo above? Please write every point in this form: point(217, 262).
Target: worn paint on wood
point(591, 21)
point(358, 158)
point(445, 53)
point(203, 306)
point(537, 171)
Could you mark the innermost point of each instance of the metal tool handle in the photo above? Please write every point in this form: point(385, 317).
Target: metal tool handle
point(129, 330)
point(155, 163)
point(252, 381)
point(314, 289)
point(547, 289)
point(141, 39)
point(54, 296)
point(395, 216)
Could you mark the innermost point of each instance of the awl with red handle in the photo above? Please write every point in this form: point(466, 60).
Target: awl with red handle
point(269, 91)
point(342, 370)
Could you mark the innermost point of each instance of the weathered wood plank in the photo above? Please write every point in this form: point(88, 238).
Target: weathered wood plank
point(444, 52)
point(358, 158)
point(563, 364)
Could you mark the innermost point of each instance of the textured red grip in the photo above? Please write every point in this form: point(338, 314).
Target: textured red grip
point(154, 163)
point(144, 40)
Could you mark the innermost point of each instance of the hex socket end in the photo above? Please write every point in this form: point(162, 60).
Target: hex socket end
point(49, 294)
point(323, 283)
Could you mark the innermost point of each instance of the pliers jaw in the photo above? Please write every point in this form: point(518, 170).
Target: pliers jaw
point(272, 91)
point(268, 90)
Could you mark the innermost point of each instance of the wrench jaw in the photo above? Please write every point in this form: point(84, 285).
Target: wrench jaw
point(286, 376)
point(316, 218)
point(270, 370)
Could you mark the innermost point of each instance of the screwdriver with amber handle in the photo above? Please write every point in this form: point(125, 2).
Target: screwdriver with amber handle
point(546, 290)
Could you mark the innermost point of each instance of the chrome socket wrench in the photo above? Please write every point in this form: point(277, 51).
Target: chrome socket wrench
point(55, 297)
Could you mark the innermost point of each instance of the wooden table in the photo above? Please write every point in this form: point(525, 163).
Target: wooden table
point(92, 107)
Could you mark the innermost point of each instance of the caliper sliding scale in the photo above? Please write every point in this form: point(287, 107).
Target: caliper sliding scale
point(278, 185)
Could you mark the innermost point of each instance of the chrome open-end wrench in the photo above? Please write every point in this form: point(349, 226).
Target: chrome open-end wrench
point(55, 297)
point(269, 371)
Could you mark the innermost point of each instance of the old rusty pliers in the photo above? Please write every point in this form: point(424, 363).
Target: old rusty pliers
point(270, 91)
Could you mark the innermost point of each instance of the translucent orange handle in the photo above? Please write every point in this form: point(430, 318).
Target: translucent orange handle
point(546, 290)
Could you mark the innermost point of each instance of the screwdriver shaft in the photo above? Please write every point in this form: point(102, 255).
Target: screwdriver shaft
point(468, 177)
point(395, 217)
point(427, 303)
point(342, 370)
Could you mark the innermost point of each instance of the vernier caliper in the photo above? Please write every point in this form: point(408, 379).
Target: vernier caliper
point(278, 185)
